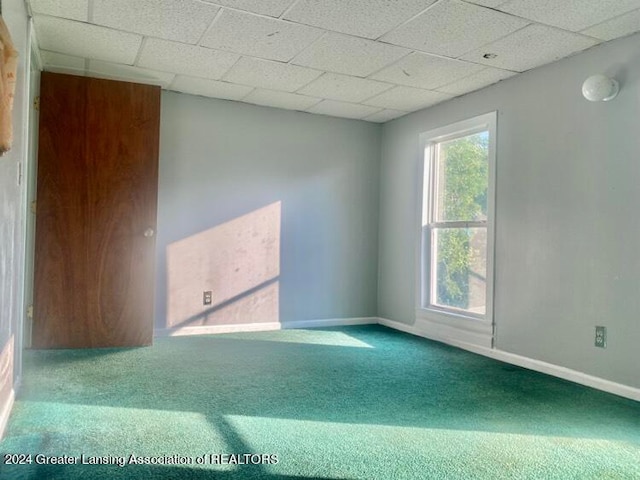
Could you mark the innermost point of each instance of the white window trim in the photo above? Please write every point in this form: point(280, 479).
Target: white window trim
point(457, 325)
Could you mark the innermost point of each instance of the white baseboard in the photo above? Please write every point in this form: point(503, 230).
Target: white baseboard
point(567, 374)
point(5, 411)
point(263, 327)
point(525, 362)
point(431, 335)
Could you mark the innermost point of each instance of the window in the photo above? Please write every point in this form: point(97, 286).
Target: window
point(457, 213)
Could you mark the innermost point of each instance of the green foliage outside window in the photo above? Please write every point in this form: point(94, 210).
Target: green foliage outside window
point(463, 197)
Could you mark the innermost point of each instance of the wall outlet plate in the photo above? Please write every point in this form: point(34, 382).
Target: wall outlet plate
point(207, 297)
point(601, 337)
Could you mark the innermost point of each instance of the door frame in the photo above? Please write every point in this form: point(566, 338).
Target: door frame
point(29, 175)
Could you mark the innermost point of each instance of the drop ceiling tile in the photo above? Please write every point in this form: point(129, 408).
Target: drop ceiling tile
point(384, 116)
point(616, 27)
point(128, 73)
point(272, 98)
point(488, 3)
point(270, 75)
point(349, 55)
point(344, 88)
point(179, 20)
point(572, 15)
point(407, 99)
point(476, 81)
point(342, 109)
point(273, 8)
point(185, 59)
point(261, 36)
point(209, 88)
point(60, 60)
point(85, 40)
point(452, 28)
point(71, 9)
point(530, 47)
point(364, 18)
point(426, 71)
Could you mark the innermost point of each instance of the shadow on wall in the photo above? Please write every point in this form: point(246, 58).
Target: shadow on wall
point(237, 261)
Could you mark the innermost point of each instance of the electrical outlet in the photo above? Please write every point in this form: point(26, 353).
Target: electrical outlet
point(207, 297)
point(601, 337)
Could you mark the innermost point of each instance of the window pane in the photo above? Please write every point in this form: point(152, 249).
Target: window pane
point(460, 269)
point(462, 172)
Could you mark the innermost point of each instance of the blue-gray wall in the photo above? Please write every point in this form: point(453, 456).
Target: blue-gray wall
point(567, 226)
point(220, 160)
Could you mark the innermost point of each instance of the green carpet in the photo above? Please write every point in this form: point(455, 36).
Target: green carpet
point(344, 403)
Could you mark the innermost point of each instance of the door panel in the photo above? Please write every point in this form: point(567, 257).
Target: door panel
point(97, 194)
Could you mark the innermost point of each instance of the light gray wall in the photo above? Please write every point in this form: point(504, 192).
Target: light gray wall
point(13, 211)
point(567, 227)
point(220, 160)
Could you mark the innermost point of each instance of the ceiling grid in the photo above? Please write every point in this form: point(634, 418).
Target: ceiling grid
point(366, 59)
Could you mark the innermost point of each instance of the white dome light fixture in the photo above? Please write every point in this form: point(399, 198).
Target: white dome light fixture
point(600, 88)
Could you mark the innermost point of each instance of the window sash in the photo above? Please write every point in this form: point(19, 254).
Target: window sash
point(431, 290)
point(434, 147)
point(472, 224)
point(432, 152)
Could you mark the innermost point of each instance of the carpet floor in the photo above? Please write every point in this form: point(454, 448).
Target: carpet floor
point(342, 403)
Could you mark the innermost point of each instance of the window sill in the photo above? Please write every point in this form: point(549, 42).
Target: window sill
point(456, 320)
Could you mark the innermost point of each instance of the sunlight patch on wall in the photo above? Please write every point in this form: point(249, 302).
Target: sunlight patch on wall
point(237, 261)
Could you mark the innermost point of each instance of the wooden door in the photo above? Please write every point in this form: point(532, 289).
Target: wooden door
point(96, 213)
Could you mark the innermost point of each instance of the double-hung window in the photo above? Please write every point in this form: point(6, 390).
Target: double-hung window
point(457, 218)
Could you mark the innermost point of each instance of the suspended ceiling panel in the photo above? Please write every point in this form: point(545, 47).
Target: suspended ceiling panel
point(374, 60)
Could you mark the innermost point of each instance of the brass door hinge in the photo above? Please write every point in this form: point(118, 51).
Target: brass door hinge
point(33, 207)
point(30, 311)
point(36, 103)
